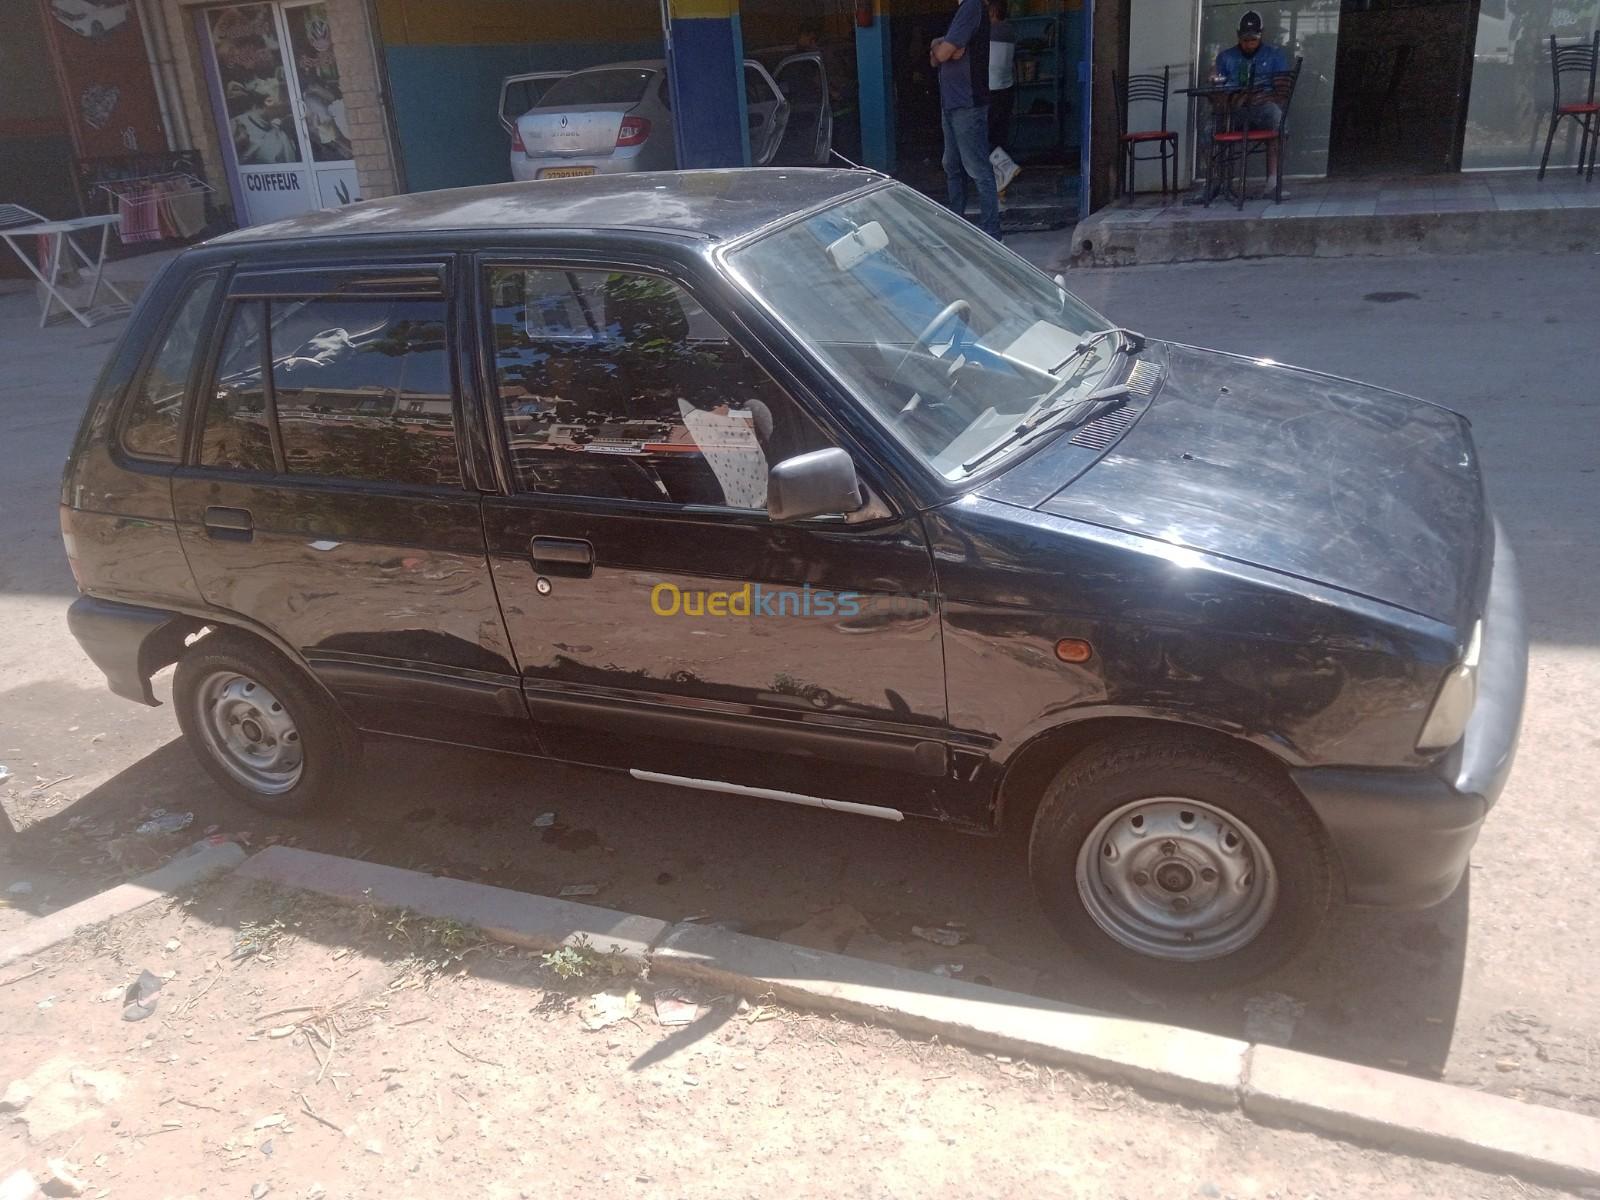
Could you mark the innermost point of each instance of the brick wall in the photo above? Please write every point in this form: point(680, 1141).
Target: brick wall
point(358, 79)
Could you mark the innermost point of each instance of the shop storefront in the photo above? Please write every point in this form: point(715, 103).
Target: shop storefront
point(273, 78)
point(1388, 87)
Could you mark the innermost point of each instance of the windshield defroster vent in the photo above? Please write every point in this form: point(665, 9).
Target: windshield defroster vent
point(1102, 431)
point(1108, 427)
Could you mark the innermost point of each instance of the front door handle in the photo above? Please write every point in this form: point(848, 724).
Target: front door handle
point(231, 524)
point(572, 557)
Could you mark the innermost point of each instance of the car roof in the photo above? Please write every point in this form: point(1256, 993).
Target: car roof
point(720, 205)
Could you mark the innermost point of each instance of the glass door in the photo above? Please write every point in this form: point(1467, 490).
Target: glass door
point(275, 89)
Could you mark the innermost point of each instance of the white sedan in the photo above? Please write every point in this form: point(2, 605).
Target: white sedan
point(618, 117)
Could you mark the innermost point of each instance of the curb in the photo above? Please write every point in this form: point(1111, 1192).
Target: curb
point(518, 918)
point(1266, 1083)
point(201, 860)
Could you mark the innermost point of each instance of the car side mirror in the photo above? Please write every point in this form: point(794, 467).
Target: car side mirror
point(817, 484)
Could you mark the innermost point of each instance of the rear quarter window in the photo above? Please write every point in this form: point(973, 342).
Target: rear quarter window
point(152, 422)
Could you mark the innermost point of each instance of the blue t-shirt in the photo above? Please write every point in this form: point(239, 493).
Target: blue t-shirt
point(964, 82)
point(1267, 60)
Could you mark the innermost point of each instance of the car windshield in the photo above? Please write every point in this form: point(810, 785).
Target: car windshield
point(622, 86)
point(946, 337)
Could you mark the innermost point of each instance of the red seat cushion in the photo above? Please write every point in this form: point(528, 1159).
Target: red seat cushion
point(1150, 135)
point(1254, 135)
point(1580, 108)
point(1227, 137)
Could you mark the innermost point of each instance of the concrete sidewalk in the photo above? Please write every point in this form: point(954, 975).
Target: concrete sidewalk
point(1321, 218)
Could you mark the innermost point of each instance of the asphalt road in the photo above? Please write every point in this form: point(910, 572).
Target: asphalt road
point(1495, 988)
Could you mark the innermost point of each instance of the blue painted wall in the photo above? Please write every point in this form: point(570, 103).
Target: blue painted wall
point(445, 101)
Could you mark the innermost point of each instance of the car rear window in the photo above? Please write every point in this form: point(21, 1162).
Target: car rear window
point(598, 87)
point(154, 417)
point(357, 389)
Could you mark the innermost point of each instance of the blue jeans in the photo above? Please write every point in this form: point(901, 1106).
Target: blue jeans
point(966, 152)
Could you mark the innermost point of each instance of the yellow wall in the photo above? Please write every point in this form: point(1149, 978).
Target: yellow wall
point(498, 22)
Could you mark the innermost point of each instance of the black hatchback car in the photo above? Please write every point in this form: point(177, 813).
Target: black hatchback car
point(793, 485)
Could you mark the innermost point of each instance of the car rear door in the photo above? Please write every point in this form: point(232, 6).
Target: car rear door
point(766, 111)
point(328, 496)
point(662, 622)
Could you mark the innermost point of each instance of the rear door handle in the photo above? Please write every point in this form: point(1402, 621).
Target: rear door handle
point(572, 557)
point(233, 524)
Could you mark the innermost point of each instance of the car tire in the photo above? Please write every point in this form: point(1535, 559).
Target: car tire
point(261, 728)
point(1179, 863)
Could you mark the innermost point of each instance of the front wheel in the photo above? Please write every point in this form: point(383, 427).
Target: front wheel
point(1179, 863)
point(261, 728)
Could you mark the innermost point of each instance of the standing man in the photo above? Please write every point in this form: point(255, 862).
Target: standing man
point(1002, 72)
point(962, 59)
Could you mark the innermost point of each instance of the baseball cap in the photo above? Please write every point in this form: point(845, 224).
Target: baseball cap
point(1250, 23)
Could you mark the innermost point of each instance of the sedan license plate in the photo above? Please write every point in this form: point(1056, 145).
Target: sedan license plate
point(565, 172)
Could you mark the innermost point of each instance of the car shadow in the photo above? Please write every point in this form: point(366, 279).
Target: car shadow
point(1379, 988)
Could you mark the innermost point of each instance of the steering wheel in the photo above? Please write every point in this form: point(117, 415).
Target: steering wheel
point(945, 315)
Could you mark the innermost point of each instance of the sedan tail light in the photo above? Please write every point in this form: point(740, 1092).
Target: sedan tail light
point(633, 131)
point(516, 141)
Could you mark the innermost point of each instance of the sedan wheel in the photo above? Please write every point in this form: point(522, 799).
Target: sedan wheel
point(1179, 860)
point(249, 732)
point(261, 727)
point(1177, 879)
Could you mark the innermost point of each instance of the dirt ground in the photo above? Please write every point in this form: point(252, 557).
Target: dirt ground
point(300, 1049)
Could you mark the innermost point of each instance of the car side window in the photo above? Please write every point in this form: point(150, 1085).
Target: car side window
point(152, 424)
point(237, 433)
point(363, 389)
point(357, 389)
point(619, 385)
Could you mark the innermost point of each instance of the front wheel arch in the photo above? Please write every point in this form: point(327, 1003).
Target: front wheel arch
point(1029, 771)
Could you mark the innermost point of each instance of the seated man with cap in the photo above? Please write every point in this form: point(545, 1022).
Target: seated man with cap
point(1254, 63)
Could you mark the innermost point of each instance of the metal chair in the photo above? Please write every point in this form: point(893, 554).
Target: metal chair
point(1154, 89)
point(1580, 60)
point(1242, 143)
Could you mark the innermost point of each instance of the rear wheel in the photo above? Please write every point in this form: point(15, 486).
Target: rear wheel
point(1178, 862)
point(260, 728)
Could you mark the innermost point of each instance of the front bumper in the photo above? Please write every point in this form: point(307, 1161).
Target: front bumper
point(1404, 837)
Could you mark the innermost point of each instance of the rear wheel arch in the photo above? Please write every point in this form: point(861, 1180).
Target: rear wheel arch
point(208, 628)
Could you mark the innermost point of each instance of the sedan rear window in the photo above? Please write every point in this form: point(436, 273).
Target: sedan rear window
point(625, 86)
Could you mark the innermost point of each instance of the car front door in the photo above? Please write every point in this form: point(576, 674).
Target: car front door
point(809, 137)
point(661, 621)
point(325, 498)
point(766, 111)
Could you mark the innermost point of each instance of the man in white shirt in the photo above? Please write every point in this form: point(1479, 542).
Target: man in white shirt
point(1002, 72)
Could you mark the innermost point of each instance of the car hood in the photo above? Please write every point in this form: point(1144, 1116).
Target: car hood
point(1317, 477)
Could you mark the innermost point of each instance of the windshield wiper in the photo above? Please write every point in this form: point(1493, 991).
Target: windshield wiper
point(1129, 342)
point(1036, 425)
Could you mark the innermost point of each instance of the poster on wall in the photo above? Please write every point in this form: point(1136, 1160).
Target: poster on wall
point(104, 75)
point(275, 82)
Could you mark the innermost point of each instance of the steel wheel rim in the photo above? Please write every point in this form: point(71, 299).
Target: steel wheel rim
point(1176, 879)
point(250, 732)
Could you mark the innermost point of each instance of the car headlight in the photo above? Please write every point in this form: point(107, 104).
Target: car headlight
point(1457, 694)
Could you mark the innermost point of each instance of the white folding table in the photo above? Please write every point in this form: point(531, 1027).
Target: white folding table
point(60, 239)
